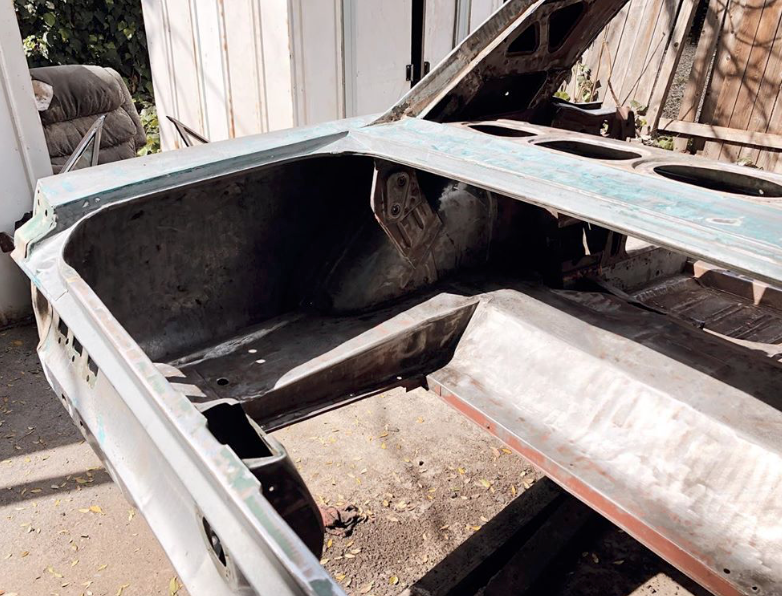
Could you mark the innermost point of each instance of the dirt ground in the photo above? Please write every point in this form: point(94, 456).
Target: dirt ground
point(425, 478)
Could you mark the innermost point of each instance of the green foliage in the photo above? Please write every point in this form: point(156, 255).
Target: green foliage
point(151, 125)
point(587, 89)
point(664, 142)
point(748, 163)
point(102, 32)
point(640, 111)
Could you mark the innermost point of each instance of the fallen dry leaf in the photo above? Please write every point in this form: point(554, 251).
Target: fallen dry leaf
point(96, 509)
point(173, 586)
point(393, 580)
point(102, 567)
point(367, 587)
point(121, 589)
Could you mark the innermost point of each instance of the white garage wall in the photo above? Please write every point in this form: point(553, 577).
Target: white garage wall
point(228, 69)
point(222, 68)
point(23, 157)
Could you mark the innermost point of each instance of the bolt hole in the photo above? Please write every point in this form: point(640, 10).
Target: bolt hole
point(88, 378)
point(214, 542)
point(73, 358)
point(222, 381)
point(395, 209)
point(755, 588)
point(726, 571)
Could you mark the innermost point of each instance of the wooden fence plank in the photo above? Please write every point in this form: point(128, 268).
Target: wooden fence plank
point(768, 97)
point(737, 36)
point(670, 62)
point(748, 95)
point(725, 42)
point(701, 65)
point(607, 53)
point(769, 160)
point(658, 49)
point(637, 57)
point(721, 133)
point(624, 51)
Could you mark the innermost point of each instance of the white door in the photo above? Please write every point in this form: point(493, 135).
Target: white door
point(439, 30)
point(480, 10)
point(377, 40)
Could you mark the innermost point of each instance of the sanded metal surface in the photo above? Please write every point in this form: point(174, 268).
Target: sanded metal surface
point(300, 363)
point(673, 435)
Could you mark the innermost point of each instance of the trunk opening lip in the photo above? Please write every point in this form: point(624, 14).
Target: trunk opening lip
point(532, 131)
point(650, 166)
point(223, 470)
point(636, 153)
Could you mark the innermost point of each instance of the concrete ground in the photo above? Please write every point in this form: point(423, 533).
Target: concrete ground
point(425, 479)
point(65, 528)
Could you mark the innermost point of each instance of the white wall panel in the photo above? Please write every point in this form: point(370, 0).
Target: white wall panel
point(23, 157)
point(480, 10)
point(439, 29)
point(316, 33)
point(222, 68)
point(382, 33)
point(235, 68)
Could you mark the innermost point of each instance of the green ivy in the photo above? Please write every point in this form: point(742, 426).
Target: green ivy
point(105, 32)
point(151, 125)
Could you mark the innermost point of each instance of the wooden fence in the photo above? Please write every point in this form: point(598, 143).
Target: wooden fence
point(732, 102)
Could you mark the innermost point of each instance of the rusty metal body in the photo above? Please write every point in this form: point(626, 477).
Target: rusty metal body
point(190, 302)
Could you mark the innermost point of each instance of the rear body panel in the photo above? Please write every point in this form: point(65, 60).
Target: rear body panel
point(251, 277)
